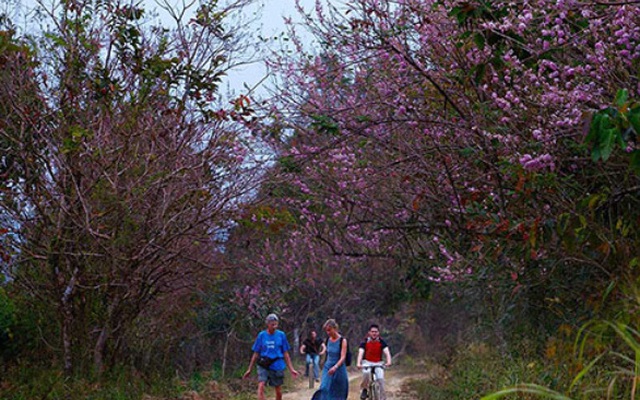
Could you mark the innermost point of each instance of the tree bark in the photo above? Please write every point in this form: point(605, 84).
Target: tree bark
point(224, 352)
point(99, 350)
point(67, 323)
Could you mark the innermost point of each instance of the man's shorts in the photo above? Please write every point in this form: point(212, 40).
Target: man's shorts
point(273, 378)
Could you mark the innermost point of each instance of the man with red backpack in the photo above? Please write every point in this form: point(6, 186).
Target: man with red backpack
point(370, 354)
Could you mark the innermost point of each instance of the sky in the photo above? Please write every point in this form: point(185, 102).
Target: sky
point(269, 25)
point(271, 21)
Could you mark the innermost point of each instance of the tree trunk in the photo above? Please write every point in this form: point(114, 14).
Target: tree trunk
point(67, 323)
point(67, 320)
point(99, 350)
point(296, 341)
point(224, 352)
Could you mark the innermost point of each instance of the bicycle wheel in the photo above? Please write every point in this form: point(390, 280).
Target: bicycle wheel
point(311, 379)
point(374, 391)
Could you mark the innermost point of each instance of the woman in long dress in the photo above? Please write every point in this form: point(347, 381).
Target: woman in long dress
point(335, 382)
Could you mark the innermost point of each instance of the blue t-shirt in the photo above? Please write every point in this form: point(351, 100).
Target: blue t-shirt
point(272, 346)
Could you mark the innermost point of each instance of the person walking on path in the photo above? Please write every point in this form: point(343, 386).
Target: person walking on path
point(370, 354)
point(271, 354)
point(335, 382)
point(313, 347)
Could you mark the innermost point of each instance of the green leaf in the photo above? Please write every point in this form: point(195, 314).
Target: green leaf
point(585, 370)
point(479, 40)
point(609, 137)
point(467, 151)
point(56, 39)
point(594, 129)
point(622, 97)
point(479, 73)
point(634, 162)
point(289, 164)
point(457, 12)
point(325, 124)
point(628, 335)
point(634, 119)
point(609, 289)
point(527, 388)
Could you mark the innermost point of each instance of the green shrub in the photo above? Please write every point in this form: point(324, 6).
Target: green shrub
point(7, 322)
point(476, 369)
point(602, 363)
point(42, 382)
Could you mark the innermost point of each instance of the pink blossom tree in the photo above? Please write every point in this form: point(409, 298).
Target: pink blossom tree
point(452, 136)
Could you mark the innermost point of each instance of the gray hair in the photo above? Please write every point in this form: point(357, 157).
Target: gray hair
point(271, 317)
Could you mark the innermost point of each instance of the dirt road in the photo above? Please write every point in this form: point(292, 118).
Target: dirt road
point(395, 379)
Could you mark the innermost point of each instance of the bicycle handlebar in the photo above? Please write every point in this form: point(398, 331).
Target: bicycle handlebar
point(383, 366)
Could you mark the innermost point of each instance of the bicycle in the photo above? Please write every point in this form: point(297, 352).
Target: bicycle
point(374, 390)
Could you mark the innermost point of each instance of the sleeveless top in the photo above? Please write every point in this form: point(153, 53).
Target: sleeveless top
point(336, 386)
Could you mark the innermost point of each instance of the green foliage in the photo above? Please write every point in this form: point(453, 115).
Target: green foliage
point(536, 390)
point(476, 369)
point(17, 81)
point(268, 220)
point(289, 165)
point(468, 12)
point(7, 321)
point(41, 382)
point(604, 358)
point(196, 381)
point(616, 125)
point(325, 124)
point(620, 359)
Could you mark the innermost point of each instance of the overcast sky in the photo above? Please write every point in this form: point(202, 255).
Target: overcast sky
point(269, 25)
point(272, 14)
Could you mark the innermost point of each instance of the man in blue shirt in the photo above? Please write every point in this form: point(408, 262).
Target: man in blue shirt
point(271, 354)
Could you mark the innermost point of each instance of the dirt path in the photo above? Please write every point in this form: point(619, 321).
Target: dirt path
point(395, 379)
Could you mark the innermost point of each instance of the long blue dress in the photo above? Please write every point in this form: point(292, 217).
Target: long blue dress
point(336, 386)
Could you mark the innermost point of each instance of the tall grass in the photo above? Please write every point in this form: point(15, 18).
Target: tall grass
point(599, 361)
point(41, 382)
point(28, 382)
point(614, 373)
point(478, 368)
